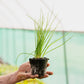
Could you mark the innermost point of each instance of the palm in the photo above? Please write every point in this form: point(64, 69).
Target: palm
point(26, 68)
point(24, 72)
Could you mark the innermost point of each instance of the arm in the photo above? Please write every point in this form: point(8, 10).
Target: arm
point(24, 72)
point(15, 77)
point(8, 79)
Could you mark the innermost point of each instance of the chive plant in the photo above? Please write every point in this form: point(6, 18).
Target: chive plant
point(43, 36)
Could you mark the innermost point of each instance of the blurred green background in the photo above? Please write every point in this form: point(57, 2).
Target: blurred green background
point(66, 62)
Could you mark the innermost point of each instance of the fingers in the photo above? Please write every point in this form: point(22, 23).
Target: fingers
point(46, 75)
point(49, 73)
point(23, 76)
point(34, 76)
point(48, 64)
point(27, 75)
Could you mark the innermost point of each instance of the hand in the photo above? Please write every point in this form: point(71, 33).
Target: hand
point(24, 72)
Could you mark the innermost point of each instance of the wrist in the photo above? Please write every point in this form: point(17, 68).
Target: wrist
point(13, 78)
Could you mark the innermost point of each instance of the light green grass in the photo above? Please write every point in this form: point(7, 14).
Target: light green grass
point(43, 36)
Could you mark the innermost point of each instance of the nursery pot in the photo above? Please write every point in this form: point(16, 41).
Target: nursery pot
point(38, 65)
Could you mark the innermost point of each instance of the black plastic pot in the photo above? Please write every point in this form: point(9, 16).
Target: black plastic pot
point(38, 66)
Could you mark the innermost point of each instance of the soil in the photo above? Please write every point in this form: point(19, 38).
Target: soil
point(38, 65)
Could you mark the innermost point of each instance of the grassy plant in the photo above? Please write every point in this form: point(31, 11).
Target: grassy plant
point(43, 36)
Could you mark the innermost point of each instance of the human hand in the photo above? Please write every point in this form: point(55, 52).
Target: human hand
point(24, 72)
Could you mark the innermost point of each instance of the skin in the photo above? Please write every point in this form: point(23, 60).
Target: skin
point(24, 72)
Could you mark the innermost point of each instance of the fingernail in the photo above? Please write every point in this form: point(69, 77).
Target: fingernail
point(36, 75)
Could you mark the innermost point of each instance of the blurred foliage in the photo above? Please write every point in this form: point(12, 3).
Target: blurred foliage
point(31, 81)
point(6, 69)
